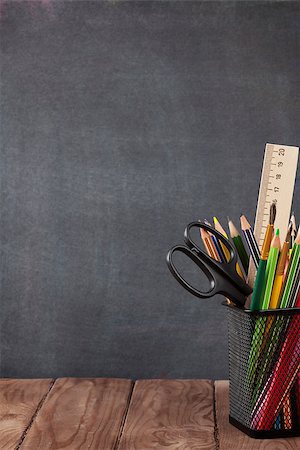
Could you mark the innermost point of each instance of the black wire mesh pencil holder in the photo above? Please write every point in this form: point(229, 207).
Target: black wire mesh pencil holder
point(264, 371)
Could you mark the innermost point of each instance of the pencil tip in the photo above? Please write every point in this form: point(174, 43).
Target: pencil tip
point(289, 232)
point(277, 232)
point(245, 225)
point(232, 229)
point(272, 213)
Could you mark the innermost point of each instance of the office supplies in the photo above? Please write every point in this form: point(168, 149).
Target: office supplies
point(238, 243)
point(258, 289)
point(280, 380)
point(216, 245)
point(296, 289)
point(250, 239)
point(223, 277)
point(278, 422)
point(273, 257)
point(276, 185)
point(287, 413)
point(275, 297)
point(210, 248)
point(221, 230)
point(292, 270)
point(294, 229)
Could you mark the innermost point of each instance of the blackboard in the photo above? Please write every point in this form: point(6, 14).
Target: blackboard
point(121, 123)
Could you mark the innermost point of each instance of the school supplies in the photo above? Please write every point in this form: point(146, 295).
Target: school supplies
point(275, 297)
point(219, 255)
point(223, 277)
point(250, 239)
point(264, 344)
point(273, 257)
point(296, 289)
point(293, 229)
point(238, 243)
point(261, 271)
point(292, 272)
point(281, 379)
point(208, 243)
point(221, 230)
point(276, 185)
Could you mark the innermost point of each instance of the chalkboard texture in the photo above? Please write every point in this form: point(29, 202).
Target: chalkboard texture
point(122, 122)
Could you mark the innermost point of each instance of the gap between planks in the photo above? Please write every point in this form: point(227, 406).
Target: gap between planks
point(38, 408)
point(174, 414)
point(216, 428)
point(118, 439)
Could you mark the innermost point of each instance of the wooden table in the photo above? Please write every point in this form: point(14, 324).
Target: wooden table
point(104, 414)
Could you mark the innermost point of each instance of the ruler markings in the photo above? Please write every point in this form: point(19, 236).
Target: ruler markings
point(277, 184)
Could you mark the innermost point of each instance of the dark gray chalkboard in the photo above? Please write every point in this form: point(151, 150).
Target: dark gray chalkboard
point(122, 122)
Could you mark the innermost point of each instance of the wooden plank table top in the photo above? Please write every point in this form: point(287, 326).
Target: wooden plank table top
point(117, 414)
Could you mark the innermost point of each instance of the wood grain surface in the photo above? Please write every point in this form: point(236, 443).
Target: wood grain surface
point(230, 438)
point(80, 414)
point(172, 414)
point(19, 400)
point(106, 414)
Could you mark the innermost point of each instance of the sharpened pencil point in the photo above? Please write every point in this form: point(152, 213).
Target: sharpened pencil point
point(288, 234)
point(272, 213)
point(277, 232)
point(245, 225)
point(232, 229)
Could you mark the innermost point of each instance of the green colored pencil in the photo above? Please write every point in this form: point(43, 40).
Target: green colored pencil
point(238, 243)
point(260, 279)
point(258, 290)
point(260, 335)
point(272, 262)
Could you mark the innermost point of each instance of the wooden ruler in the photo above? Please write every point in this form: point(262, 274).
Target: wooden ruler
point(276, 185)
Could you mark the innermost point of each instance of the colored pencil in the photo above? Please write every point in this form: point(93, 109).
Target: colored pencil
point(273, 258)
point(238, 243)
point(295, 289)
point(292, 270)
point(226, 252)
point(280, 381)
point(250, 240)
point(216, 244)
point(260, 279)
point(294, 229)
point(208, 244)
point(287, 413)
point(275, 297)
point(221, 230)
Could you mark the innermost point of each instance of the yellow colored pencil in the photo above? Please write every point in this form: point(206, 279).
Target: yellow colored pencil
point(221, 230)
point(275, 296)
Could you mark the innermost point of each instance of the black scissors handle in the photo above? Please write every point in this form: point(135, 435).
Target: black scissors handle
point(223, 278)
point(226, 270)
point(200, 263)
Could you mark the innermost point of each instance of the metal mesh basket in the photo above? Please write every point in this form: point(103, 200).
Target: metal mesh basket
point(264, 371)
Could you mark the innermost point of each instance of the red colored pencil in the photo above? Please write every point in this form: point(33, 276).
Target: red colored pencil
point(280, 381)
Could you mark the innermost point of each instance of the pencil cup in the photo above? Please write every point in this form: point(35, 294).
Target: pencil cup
point(264, 371)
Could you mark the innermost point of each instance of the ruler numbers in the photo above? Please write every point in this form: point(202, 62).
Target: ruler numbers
point(275, 177)
point(277, 186)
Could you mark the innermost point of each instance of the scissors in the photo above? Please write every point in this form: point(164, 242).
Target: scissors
point(222, 276)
